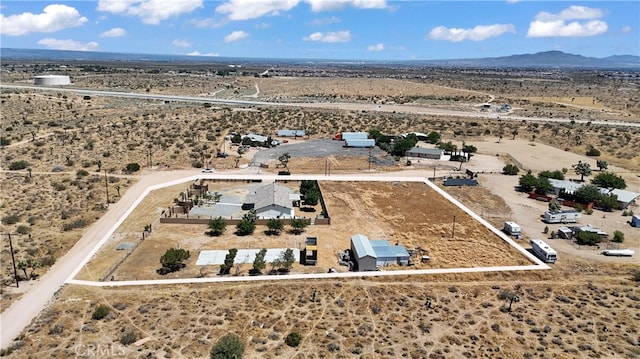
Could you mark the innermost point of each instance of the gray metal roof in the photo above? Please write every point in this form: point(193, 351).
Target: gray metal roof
point(291, 133)
point(362, 246)
point(269, 194)
point(426, 151)
point(384, 249)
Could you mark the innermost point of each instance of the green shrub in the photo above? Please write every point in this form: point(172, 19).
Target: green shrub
point(101, 312)
point(128, 337)
point(18, 165)
point(588, 238)
point(11, 219)
point(22, 229)
point(229, 346)
point(293, 339)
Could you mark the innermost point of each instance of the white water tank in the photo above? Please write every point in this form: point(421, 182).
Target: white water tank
point(51, 80)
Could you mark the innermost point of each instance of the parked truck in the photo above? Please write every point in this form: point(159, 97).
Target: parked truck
point(543, 251)
point(566, 216)
point(512, 229)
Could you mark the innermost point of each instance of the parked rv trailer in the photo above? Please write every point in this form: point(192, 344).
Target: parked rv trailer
point(512, 228)
point(568, 216)
point(619, 252)
point(543, 251)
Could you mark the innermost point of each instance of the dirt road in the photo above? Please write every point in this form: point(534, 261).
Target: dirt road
point(15, 318)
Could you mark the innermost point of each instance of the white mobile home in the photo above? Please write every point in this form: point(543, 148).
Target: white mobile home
point(567, 216)
point(543, 251)
point(619, 252)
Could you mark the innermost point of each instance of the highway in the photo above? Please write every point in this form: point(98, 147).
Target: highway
point(416, 110)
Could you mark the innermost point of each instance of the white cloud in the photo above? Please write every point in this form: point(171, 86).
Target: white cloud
point(338, 36)
point(376, 47)
point(181, 43)
point(512, 1)
point(150, 11)
point(325, 21)
point(198, 53)
point(115, 32)
point(262, 25)
point(556, 25)
point(68, 44)
point(252, 9)
point(478, 33)
point(626, 29)
point(235, 36)
point(330, 5)
point(53, 18)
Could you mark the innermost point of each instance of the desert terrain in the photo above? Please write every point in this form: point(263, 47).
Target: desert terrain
point(72, 152)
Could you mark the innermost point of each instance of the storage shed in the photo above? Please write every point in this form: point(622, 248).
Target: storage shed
point(387, 254)
point(363, 253)
point(431, 153)
point(635, 220)
point(291, 133)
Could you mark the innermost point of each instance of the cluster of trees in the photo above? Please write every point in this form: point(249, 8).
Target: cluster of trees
point(309, 189)
point(396, 146)
point(283, 263)
point(247, 225)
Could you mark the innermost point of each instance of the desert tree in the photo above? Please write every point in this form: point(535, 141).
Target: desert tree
point(582, 169)
point(609, 180)
point(602, 165)
point(173, 260)
point(527, 182)
point(225, 268)
point(248, 223)
point(510, 170)
point(259, 262)
point(284, 160)
point(229, 346)
point(607, 202)
point(288, 259)
point(587, 194)
point(275, 225)
point(298, 225)
point(217, 226)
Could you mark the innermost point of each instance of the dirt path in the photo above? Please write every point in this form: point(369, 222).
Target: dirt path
point(15, 318)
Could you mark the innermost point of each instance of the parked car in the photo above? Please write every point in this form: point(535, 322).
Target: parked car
point(221, 155)
point(207, 170)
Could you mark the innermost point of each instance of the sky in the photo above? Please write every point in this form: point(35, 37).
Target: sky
point(375, 30)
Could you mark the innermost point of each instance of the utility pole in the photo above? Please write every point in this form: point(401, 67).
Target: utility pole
point(13, 260)
point(369, 160)
point(106, 185)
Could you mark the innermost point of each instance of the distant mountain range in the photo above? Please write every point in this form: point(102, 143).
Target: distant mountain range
point(547, 59)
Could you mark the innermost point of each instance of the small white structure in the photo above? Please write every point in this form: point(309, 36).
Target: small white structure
point(512, 228)
point(51, 80)
point(360, 143)
point(619, 252)
point(543, 251)
point(566, 216)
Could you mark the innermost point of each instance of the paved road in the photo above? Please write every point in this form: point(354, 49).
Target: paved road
point(331, 105)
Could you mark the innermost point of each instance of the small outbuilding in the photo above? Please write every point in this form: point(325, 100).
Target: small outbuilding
point(460, 182)
point(387, 254)
point(363, 254)
point(291, 133)
point(635, 220)
point(430, 153)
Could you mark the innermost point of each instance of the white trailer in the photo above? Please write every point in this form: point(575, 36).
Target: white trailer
point(543, 251)
point(567, 216)
point(619, 252)
point(512, 229)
